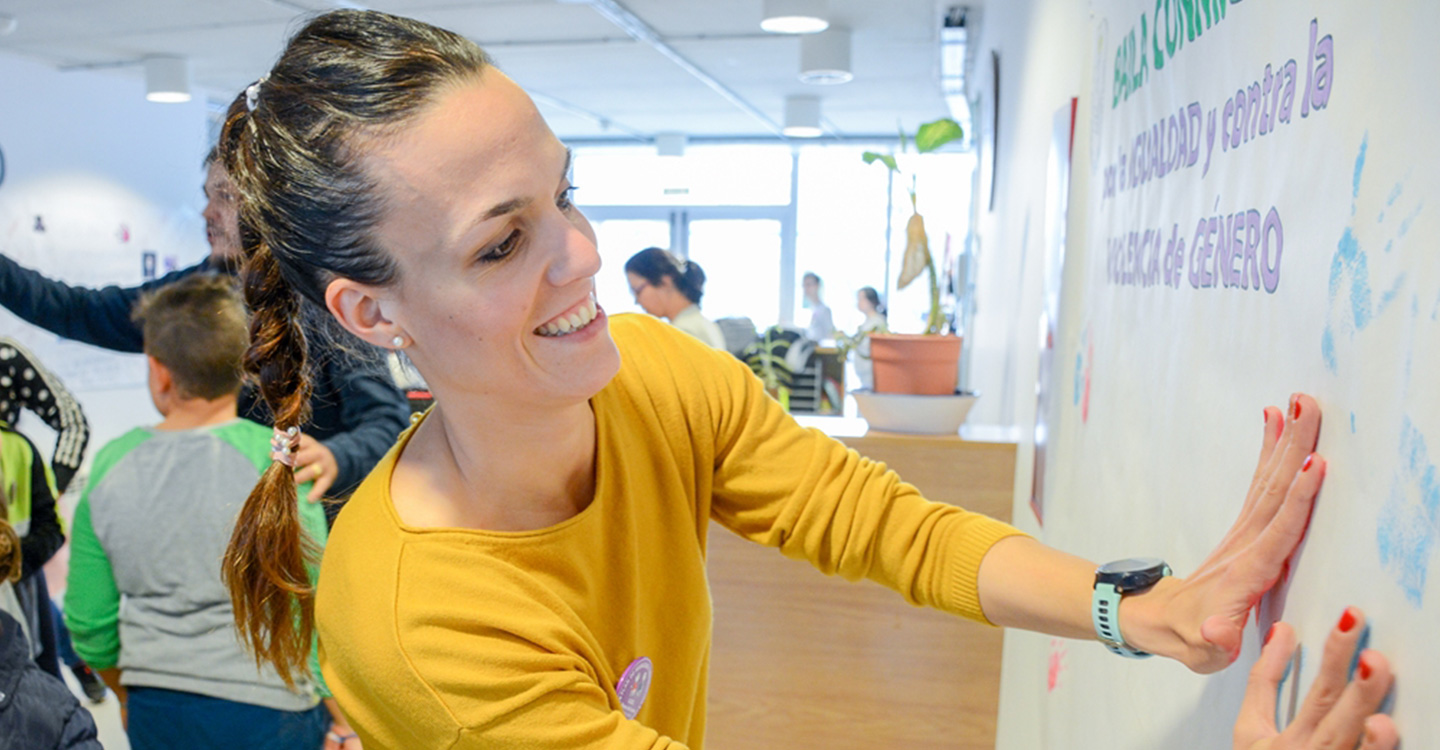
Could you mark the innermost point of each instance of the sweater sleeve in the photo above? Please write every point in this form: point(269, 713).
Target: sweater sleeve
point(100, 317)
point(813, 498)
point(45, 536)
point(373, 412)
point(92, 599)
point(564, 723)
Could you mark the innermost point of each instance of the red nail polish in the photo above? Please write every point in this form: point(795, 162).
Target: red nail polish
point(1308, 460)
point(1347, 620)
point(1295, 410)
point(1364, 669)
point(1268, 635)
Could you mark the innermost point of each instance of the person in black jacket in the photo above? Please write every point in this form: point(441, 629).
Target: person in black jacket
point(357, 411)
point(26, 384)
point(37, 710)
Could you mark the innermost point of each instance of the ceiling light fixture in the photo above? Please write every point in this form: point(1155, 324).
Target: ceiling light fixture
point(167, 79)
point(802, 116)
point(670, 144)
point(825, 57)
point(794, 16)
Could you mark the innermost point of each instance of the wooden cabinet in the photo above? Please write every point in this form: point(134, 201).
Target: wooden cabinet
point(802, 660)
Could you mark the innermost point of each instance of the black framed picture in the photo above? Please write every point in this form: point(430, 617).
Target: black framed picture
point(994, 124)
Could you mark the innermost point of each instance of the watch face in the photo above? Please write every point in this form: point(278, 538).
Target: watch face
point(1132, 573)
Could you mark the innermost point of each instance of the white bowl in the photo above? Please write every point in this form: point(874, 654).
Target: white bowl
point(922, 415)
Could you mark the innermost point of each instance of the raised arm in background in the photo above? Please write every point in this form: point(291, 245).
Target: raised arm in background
point(99, 317)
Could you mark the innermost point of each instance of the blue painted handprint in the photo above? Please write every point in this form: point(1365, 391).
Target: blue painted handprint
point(1408, 525)
point(1410, 519)
point(1352, 305)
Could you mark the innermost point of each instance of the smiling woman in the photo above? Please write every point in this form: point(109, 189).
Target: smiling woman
point(526, 567)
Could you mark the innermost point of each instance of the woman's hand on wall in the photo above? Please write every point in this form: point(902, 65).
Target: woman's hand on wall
point(1341, 708)
point(1200, 619)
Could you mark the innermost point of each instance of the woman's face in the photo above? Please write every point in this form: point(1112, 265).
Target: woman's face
point(863, 302)
point(647, 295)
point(496, 264)
point(811, 288)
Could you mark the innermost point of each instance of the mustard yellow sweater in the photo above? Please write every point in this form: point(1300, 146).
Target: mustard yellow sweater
point(463, 638)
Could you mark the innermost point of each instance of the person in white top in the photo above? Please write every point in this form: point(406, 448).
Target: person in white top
point(822, 325)
point(670, 288)
point(868, 301)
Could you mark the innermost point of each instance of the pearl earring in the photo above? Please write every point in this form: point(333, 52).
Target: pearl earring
point(398, 341)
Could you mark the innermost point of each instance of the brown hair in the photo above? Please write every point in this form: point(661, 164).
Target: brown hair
point(11, 561)
point(196, 328)
point(291, 143)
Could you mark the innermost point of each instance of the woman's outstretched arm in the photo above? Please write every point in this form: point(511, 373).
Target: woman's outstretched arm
point(1197, 619)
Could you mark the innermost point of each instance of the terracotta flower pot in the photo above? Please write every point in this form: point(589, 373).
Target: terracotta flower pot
point(914, 363)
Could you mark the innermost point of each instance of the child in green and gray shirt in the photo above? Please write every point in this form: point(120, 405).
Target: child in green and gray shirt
point(145, 603)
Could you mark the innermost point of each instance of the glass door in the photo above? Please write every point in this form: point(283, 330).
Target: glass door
point(618, 239)
point(742, 250)
point(741, 259)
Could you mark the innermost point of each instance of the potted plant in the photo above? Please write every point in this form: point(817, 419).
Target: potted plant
point(926, 363)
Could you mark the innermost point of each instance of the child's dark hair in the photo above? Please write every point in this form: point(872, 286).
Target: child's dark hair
point(292, 144)
point(196, 328)
point(654, 265)
point(869, 293)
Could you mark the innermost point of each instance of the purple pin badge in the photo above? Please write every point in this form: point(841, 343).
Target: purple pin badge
point(634, 685)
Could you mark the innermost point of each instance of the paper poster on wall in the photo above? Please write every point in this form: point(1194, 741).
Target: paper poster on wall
point(1259, 216)
point(1057, 200)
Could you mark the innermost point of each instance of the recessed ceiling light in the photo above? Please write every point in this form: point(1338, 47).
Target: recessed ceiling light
point(670, 144)
point(167, 79)
point(802, 117)
point(794, 16)
point(825, 57)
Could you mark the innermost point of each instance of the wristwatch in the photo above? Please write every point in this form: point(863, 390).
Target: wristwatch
point(1114, 580)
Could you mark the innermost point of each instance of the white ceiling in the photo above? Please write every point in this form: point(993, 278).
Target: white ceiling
point(583, 68)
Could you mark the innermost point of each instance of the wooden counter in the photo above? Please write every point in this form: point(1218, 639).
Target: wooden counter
point(802, 660)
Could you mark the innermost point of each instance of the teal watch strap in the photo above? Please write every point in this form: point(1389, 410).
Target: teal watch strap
point(1105, 613)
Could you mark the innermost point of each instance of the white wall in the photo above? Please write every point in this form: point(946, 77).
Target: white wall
point(110, 176)
point(1157, 462)
point(1042, 45)
point(1039, 43)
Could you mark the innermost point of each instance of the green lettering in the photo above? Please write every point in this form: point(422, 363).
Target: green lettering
point(1119, 75)
point(1205, 5)
point(1172, 35)
point(1159, 58)
point(1144, 72)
